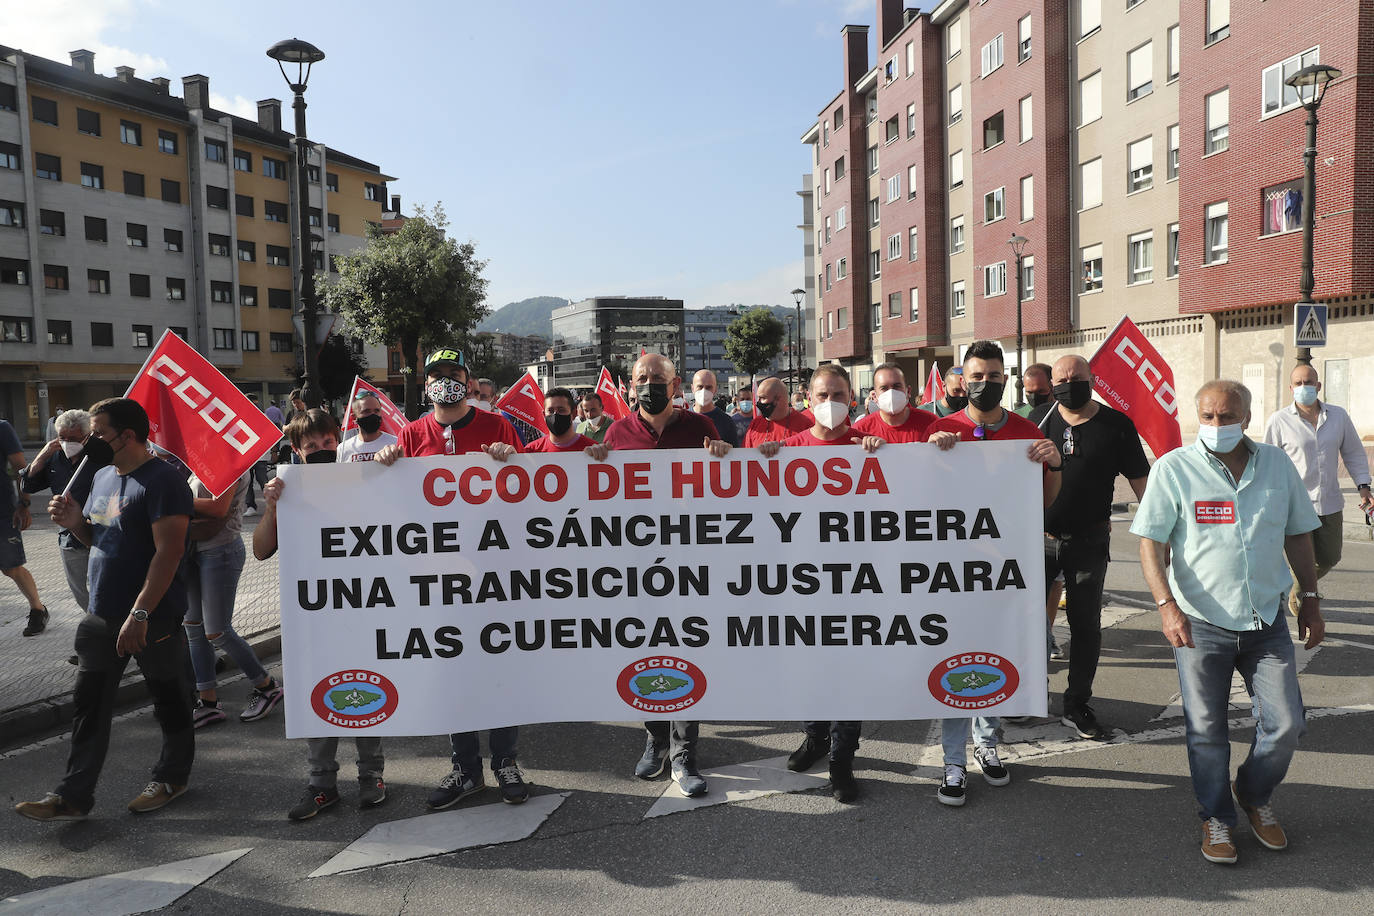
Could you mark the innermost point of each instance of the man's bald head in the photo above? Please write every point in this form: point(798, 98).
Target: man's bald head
point(1303, 375)
point(771, 398)
point(1072, 368)
point(773, 387)
point(704, 380)
point(653, 367)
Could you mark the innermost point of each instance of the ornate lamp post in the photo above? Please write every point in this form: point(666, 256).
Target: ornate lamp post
point(797, 296)
point(1018, 247)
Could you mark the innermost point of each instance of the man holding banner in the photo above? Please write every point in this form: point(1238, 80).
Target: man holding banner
point(558, 417)
point(366, 412)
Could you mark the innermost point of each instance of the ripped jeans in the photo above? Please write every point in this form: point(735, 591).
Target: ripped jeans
point(212, 583)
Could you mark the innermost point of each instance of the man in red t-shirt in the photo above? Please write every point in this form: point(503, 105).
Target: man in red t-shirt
point(774, 418)
point(656, 423)
point(895, 420)
point(456, 427)
point(558, 416)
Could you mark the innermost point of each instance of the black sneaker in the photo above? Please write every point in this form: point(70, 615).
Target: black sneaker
point(453, 788)
point(805, 756)
point(38, 621)
point(993, 771)
point(511, 782)
point(652, 762)
point(843, 785)
point(951, 791)
point(1085, 723)
point(371, 791)
point(313, 802)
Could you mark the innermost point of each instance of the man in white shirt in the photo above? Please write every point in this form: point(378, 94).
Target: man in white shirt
point(367, 413)
point(1318, 436)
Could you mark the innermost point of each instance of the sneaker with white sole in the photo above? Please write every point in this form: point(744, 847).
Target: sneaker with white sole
point(371, 791)
point(453, 788)
point(1217, 843)
point(155, 795)
point(207, 712)
point(993, 769)
point(262, 701)
point(951, 791)
point(1263, 824)
point(315, 800)
point(511, 782)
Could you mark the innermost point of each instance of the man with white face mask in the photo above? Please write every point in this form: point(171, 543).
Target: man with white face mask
point(704, 403)
point(1318, 436)
point(484, 396)
point(1224, 512)
point(894, 420)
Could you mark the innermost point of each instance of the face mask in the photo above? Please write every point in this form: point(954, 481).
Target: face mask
point(892, 401)
point(830, 414)
point(1306, 395)
point(767, 409)
point(558, 423)
point(321, 456)
point(985, 395)
point(956, 401)
point(370, 423)
point(1039, 398)
point(746, 406)
point(98, 451)
point(1221, 439)
point(71, 449)
point(446, 391)
point(480, 404)
point(1073, 394)
point(679, 401)
point(702, 397)
point(652, 397)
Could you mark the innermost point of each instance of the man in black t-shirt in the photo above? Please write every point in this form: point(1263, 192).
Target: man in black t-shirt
point(1097, 443)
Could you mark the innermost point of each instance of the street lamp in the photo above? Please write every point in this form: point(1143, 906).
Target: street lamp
point(797, 296)
point(790, 377)
point(705, 356)
point(1310, 82)
point(1018, 247)
point(304, 55)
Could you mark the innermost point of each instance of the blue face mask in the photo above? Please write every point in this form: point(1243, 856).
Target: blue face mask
point(1306, 395)
point(1221, 439)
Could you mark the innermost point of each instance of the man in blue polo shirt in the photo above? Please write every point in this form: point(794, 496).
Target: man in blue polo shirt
point(1222, 513)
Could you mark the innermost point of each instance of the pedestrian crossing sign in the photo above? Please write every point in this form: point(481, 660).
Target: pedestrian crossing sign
point(1309, 324)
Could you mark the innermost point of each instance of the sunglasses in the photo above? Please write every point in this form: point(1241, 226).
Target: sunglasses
point(1068, 442)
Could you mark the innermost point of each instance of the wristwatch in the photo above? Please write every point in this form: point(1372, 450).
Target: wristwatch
point(1317, 595)
point(139, 614)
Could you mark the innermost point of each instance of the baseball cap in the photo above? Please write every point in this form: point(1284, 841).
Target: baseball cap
point(447, 355)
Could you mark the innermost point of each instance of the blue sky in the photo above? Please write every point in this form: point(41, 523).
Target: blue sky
point(587, 148)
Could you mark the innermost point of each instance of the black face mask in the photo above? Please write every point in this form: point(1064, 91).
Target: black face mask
point(765, 409)
point(653, 397)
point(323, 456)
point(956, 401)
point(1039, 398)
point(985, 395)
point(1073, 394)
point(558, 423)
point(370, 423)
point(98, 451)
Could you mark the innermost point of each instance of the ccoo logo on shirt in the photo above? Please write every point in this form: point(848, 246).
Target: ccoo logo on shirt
point(1215, 512)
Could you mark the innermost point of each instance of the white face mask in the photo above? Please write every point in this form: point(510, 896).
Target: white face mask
point(892, 401)
point(1306, 395)
point(72, 449)
point(702, 396)
point(679, 401)
point(1221, 439)
point(830, 414)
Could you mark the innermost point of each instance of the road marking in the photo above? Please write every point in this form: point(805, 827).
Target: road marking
point(739, 782)
point(1239, 699)
point(125, 893)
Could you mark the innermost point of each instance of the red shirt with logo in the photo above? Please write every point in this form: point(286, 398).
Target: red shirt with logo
point(806, 437)
point(761, 430)
point(546, 444)
point(425, 436)
point(913, 430)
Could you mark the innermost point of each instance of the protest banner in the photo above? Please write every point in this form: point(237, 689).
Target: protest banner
point(1132, 377)
point(457, 593)
point(393, 418)
point(197, 414)
point(523, 404)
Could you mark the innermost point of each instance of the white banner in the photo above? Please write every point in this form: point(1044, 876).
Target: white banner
point(456, 593)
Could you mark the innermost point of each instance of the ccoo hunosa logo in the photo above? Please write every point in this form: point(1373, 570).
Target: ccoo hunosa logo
point(973, 680)
point(661, 684)
point(355, 698)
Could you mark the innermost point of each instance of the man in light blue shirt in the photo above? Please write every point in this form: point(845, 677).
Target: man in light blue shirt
point(1221, 514)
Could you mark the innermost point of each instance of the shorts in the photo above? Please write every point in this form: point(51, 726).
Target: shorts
point(11, 544)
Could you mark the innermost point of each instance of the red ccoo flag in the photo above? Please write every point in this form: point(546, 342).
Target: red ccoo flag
point(935, 386)
point(393, 418)
point(197, 414)
point(525, 402)
point(1131, 376)
point(610, 397)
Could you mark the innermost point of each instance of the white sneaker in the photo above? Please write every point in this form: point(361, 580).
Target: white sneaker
point(251, 510)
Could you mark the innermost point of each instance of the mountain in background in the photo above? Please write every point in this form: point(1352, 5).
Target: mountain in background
point(528, 316)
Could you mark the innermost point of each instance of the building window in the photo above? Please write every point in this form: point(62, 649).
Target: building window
point(219, 245)
point(956, 299)
point(167, 142)
point(331, 181)
point(1028, 277)
point(140, 286)
point(102, 334)
point(52, 222)
point(1218, 20)
point(894, 305)
point(956, 235)
point(218, 198)
point(333, 221)
point(954, 38)
point(1140, 257)
point(839, 168)
point(216, 151)
point(1090, 184)
point(827, 278)
point(842, 319)
point(1091, 259)
point(171, 239)
point(1218, 121)
point(890, 69)
point(911, 244)
point(1173, 250)
point(1023, 41)
point(873, 212)
point(136, 234)
point(911, 182)
point(142, 335)
point(956, 169)
point(995, 279)
point(9, 97)
point(55, 276)
point(825, 134)
point(171, 191)
point(839, 219)
point(243, 162)
point(1278, 96)
point(88, 122)
point(1282, 205)
point(841, 269)
point(825, 184)
point(96, 230)
point(131, 132)
point(1027, 198)
point(273, 168)
point(59, 332)
point(894, 246)
point(98, 282)
point(274, 211)
point(250, 341)
point(956, 104)
point(221, 291)
point(1089, 17)
point(1140, 165)
point(872, 160)
point(875, 265)
point(176, 289)
point(1140, 71)
point(178, 331)
point(915, 305)
point(279, 298)
point(14, 272)
point(911, 120)
point(243, 205)
point(894, 187)
point(16, 330)
point(373, 191)
point(247, 251)
point(10, 154)
point(992, 55)
point(224, 338)
point(1090, 98)
point(827, 229)
point(876, 310)
point(248, 295)
point(1025, 120)
point(48, 167)
point(891, 130)
point(1173, 53)
point(278, 256)
point(993, 131)
point(910, 58)
point(994, 205)
point(1172, 135)
point(312, 174)
point(133, 184)
point(11, 214)
point(44, 110)
point(92, 176)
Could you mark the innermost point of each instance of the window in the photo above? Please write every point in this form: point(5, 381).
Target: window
point(312, 174)
point(10, 154)
point(273, 168)
point(142, 335)
point(52, 222)
point(911, 244)
point(994, 205)
point(839, 169)
point(827, 229)
point(992, 131)
point(102, 334)
point(48, 167)
point(88, 122)
point(140, 286)
point(250, 341)
point(1173, 53)
point(1025, 121)
point(1092, 268)
point(1023, 40)
point(1282, 205)
point(92, 176)
point(894, 305)
point(890, 69)
point(9, 97)
point(331, 181)
point(44, 110)
point(224, 338)
point(1218, 20)
point(373, 191)
point(992, 55)
point(891, 130)
point(98, 281)
point(1140, 257)
point(956, 104)
point(1090, 98)
point(1278, 96)
point(872, 160)
point(131, 132)
point(136, 235)
point(55, 276)
point(279, 298)
point(221, 291)
point(956, 235)
point(839, 219)
point(827, 277)
point(176, 288)
point(243, 205)
point(1027, 198)
point(1218, 121)
point(216, 151)
point(894, 188)
point(14, 272)
point(248, 295)
point(911, 120)
point(16, 330)
point(841, 319)
point(333, 221)
point(894, 246)
point(274, 211)
point(954, 39)
point(842, 268)
point(825, 134)
point(911, 182)
point(873, 212)
point(171, 191)
point(1140, 72)
point(1140, 165)
point(826, 183)
point(1028, 277)
point(167, 142)
point(59, 332)
point(247, 251)
point(11, 214)
point(243, 162)
point(875, 265)
point(218, 198)
point(1090, 184)
point(995, 279)
point(219, 245)
point(876, 310)
point(178, 331)
point(171, 239)
point(1173, 152)
point(1089, 17)
point(95, 229)
point(133, 184)
point(910, 58)
point(956, 299)
point(1173, 250)
point(278, 256)
point(915, 306)
point(956, 169)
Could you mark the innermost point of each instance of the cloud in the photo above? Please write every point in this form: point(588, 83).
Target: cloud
point(769, 287)
point(244, 108)
point(57, 27)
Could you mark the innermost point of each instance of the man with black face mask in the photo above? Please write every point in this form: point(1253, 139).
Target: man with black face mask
point(558, 416)
point(1037, 382)
point(956, 394)
point(1097, 443)
point(367, 413)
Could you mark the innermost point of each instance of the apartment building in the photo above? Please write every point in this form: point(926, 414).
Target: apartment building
point(1149, 153)
point(144, 212)
point(604, 330)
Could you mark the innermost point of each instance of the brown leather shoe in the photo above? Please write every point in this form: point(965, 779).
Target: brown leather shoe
point(53, 807)
point(154, 796)
point(1217, 843)
point(1263, 823)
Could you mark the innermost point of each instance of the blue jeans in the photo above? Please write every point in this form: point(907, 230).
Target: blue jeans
point(212, 583)
point(1265, 661)
point(954, 737)
point(467, 748)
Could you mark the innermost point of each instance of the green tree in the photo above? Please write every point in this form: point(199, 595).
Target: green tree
point(753, 339)
point(484, 363)
point(339, 364)
point(416, 287)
